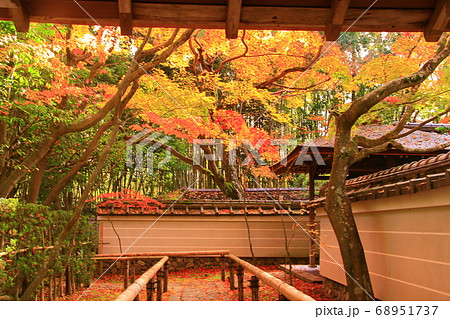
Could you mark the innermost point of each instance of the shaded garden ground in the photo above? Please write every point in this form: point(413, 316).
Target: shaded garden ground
point(200, 285)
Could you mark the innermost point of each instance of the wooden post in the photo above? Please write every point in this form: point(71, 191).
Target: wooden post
point(151, 290)
point(61, 286)
point(41, 293)
point(240, 279)
point(50, 289)
point(232, 287)
point(132, 271)
point(72, 282)
point(55, 287)
point(100, 267)
point(133, 276)
point(282, 298)
point(312, 218)
point(126, 274)
point(222, 267)
point(166, 277)
point(68, 282)
point(254, 286)
point(159, 285)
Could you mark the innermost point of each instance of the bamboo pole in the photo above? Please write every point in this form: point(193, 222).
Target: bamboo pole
point(280, 286)
point(137, 286)
point(162, 254)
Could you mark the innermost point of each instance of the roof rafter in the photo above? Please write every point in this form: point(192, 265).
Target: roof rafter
point(336, 19)
point(438, 22)
point(233, 18)
point(126, 17)
point(19, 16)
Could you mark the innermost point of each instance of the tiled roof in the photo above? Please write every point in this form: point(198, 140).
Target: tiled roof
point(431, 165)
point(426, 174)
point(212, 202)
point(252, 194)
point(418, 139)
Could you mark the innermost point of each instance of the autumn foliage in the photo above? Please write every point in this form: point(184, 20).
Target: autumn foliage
point(122, 201)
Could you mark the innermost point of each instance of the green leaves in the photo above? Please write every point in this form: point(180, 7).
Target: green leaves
point(25, 232)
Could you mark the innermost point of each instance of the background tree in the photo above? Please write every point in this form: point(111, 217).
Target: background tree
point(238, 90)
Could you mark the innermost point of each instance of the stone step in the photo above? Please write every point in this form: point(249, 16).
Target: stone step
point(304, 272)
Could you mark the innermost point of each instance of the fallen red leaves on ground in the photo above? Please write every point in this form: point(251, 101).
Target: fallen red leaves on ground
point(198, 284)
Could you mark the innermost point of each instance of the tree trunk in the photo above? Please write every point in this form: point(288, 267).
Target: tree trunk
point(78, 165)
point(73, 221)
point(339, 211)
point(36, 179)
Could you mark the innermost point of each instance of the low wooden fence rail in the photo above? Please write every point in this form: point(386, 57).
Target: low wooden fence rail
point(281, 287)
point(146, 280)
point(160, 254)
point(160, 269)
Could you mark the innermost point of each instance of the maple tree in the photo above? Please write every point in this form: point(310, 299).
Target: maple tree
point(400, 79)
point(66, 90)
point(233, 90)
point(75, 99)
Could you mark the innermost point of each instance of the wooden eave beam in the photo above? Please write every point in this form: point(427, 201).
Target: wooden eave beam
point(233, 18)
point(20, 16)
point(8, 4)
point(125, 17)
point(336, 19)
point(438, 22)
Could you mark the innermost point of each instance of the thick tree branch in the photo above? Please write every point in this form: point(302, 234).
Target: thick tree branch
point(392, 134)
point(365, 103)
point(291, 70)
point(222, 64)
point(185, 159)
point(400, 147)
point(156, 49)
point(141, 70)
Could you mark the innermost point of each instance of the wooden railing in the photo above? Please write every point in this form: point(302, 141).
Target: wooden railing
point(160, 269)
point(163, 274)
point(145, 280)
point(160, 254)
point(281, 287)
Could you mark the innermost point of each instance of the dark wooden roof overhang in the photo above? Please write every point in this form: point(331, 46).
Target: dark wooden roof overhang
point(331, 16)
point(371, 164)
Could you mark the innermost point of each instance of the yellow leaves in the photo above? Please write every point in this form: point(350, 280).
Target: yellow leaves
point(263, 171)
point(169, 98)
point(240, 91)
point(384, 68)
point(297, 102)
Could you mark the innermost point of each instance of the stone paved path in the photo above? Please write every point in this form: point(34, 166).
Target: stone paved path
point(204, 286)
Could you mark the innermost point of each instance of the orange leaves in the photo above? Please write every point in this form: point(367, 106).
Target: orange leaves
point(189, 129)
point(124, 199)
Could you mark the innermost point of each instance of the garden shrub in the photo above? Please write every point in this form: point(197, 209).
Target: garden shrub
point(25, 229)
